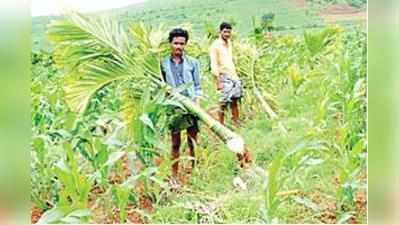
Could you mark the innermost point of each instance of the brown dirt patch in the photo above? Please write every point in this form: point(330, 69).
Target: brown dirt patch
point(342, 12)
point(36, 213)
point(339, 9)
point(361, 202)
point(134, 216)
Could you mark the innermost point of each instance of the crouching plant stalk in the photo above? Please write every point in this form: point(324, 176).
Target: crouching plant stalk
point(250, 56)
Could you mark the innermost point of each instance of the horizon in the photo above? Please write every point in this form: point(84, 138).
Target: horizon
point(54, 7)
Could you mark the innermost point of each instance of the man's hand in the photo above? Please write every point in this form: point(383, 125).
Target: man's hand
point(219, 84)
point(168, 91)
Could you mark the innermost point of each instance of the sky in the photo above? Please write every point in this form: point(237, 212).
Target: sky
point(52, 7)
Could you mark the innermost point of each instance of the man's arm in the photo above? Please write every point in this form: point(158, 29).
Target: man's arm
point(163, 77)
point(214, 61)
point(215, 66)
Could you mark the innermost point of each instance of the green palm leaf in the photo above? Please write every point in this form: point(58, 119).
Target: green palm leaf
point(94, 76)
point(94, 56)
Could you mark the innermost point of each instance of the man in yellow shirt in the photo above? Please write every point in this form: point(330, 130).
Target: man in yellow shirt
point(222, 66)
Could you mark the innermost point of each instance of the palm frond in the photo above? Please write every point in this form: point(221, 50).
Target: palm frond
point(90, 78)
point(94, 52)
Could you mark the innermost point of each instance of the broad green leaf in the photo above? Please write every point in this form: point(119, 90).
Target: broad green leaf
point(147, 121)
point(52, 216)
point(113, 158)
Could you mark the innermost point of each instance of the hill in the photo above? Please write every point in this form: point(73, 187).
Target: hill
point(290, 15)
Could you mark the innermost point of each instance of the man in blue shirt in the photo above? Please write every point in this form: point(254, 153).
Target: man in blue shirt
point(179, 69)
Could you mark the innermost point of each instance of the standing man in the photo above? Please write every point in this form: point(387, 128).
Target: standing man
point(222, 66)
point(179, 69)
point(227, 81)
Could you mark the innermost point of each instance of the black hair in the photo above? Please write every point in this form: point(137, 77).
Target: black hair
point(225, 25)
point(178, 32)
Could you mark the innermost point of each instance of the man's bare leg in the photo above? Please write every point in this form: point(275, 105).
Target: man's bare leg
point(192, 141)
point(221, 113)
point(234, 112)
point(175, 152)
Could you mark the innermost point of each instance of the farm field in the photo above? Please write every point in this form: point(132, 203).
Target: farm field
point(100, 142)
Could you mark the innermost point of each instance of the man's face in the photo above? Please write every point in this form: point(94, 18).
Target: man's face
point(177, 45)
point(225, 34)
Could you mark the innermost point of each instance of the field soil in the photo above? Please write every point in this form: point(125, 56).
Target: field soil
point(300, 3)
point(342, 12)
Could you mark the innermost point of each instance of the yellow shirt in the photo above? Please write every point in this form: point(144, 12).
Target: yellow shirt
point(222, 58)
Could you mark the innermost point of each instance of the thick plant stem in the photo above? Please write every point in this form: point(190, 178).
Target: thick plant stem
point(234, 141)
point(273, 116)
point(264, 104)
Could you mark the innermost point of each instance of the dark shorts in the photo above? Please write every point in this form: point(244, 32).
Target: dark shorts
point(179, 121)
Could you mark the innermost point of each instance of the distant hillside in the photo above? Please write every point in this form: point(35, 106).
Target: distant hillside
point(290, 14)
